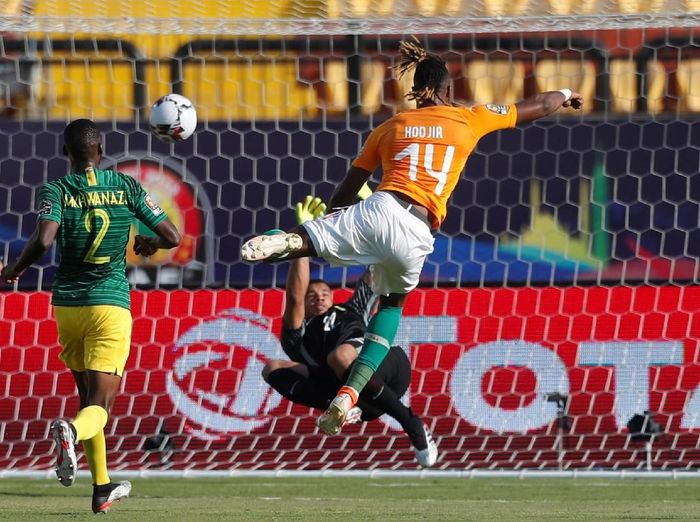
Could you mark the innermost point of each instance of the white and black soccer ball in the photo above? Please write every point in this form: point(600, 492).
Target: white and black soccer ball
point(173, 118)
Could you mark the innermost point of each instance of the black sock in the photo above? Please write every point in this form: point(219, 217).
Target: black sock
point(297, 388)
point(102, 488)
point(376, 393)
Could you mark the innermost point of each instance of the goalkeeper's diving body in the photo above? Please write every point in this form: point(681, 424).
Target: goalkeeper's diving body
point(89, 212)
point(422, 153)
point(322, 340)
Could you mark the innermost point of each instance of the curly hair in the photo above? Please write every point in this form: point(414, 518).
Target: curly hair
point(431, 71)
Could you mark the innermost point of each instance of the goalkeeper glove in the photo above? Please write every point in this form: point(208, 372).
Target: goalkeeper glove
point(364, 192)
point(310, 208)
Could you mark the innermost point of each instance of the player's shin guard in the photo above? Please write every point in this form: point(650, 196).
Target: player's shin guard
point(89, 421)
point(379, 337)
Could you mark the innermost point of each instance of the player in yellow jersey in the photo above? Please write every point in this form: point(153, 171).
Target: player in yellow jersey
point(422, 153)
point(89, 212)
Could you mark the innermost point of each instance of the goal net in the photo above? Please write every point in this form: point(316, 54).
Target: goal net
point(557, 322)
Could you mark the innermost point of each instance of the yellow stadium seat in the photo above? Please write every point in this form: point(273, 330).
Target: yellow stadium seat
point(335, 77)
point(95, 90)
point(157, 80)
point(570, 7)
point(505, 7)
point(656, 86)
point(247, 90)
point(372, 86)
point(688, 79)
point(372, 75)
point(163, 45)
point(624, 86)
point(640, 6)
point(437, 7)
point(11, 7)
point(358, 8)
point(495, 80)
point(552, 75)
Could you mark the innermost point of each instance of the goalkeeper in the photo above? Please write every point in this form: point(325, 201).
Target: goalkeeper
point(322, 341)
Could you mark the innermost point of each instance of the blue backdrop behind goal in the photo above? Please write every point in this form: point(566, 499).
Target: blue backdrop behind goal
point(558, 202)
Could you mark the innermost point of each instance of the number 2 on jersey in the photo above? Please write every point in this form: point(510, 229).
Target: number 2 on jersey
point(413, 152)
point(90, 221)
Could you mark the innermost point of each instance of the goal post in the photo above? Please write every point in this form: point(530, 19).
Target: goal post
point(557, 324)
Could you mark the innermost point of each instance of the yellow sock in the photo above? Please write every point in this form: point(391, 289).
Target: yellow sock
point(89, 422)
point(96, 455)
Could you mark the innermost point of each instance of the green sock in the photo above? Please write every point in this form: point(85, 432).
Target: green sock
point(380, 334)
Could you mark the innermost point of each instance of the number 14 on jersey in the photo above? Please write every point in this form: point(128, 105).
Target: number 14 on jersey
point(415, 151)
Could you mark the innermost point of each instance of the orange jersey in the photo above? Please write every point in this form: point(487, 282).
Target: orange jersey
point(423, 151)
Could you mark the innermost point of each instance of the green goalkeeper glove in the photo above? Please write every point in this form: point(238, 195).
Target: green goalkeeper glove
point(310, 208)
point(364, 192)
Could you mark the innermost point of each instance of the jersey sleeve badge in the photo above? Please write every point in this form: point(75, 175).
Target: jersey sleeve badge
point(498, 109)
point(157, 211)
point(45, 207)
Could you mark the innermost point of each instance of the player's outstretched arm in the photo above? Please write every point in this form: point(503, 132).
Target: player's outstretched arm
point(167, 237)
point(40, 242)
point(344, 195)
point(295, 290)
point(299, 272)
point(546, 103)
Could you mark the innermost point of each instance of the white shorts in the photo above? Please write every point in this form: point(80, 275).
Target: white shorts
point(378, 232)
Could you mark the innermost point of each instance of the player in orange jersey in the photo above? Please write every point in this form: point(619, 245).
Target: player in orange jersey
point(422, 153)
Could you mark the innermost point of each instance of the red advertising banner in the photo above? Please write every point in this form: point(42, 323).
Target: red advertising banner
point(505, 378)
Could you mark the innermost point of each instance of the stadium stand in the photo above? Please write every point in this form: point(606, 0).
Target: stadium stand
point(285, 85)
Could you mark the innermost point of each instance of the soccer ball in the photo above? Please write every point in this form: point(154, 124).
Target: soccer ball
point(173, 118)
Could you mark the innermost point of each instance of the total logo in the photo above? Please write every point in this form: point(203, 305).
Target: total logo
point(215, 381)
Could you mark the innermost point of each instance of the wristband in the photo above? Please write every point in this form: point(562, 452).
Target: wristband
point(567, 94)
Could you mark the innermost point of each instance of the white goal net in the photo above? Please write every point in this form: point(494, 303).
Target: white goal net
point(557, 325)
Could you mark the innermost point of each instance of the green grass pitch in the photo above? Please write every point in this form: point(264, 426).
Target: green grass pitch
point(351, 499)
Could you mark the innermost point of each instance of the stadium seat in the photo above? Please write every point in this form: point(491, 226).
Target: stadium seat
point(656, 86)
point(495, 80)
point(505, 7)
point(11, 7)
point(160, 45)
point(570, 7)
point(85, 88)
point(358, 8)
point(688, 79)
point(575, 74)
point(640, 6)
point(243, 90)
point(437, 7)
point(372, 75)
point(624, 86)
point(335, 85)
